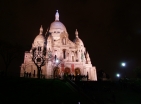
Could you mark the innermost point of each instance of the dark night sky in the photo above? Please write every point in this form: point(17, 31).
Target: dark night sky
point(110, 29)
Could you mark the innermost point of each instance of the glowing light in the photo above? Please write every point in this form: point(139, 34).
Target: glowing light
point(123, 64)
point(118, 75)
point(57, 61)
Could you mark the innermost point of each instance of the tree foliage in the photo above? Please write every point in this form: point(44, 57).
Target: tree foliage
point(9, 52)
point(38, 58)
point(138, 72)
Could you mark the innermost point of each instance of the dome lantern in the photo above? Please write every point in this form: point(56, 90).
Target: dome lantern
point(56, 25)
point(41, 30)
point(76, 33)
point(77, 40)
point(40, 39)
point(57, 16)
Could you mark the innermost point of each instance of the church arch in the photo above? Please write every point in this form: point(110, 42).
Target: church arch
point(67, 71)
point(56, 73)
point(77, 71)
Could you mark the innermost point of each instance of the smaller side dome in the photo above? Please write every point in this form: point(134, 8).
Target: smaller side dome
point(40, 39)
point(77, 40)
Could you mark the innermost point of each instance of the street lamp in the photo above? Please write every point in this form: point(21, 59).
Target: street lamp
point(123, 64)
point(118, 75)
point(57, 60)
point(38, 57)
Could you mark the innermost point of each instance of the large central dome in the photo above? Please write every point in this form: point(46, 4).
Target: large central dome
point(57, 24)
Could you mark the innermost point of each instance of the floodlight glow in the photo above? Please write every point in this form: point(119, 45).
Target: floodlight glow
point(123, 64)
point(57, 61)
point(118, 75)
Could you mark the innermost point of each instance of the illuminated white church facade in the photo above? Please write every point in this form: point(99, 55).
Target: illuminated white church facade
point(70, 57)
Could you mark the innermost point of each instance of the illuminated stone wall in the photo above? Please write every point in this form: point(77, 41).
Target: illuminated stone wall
point(62, 54)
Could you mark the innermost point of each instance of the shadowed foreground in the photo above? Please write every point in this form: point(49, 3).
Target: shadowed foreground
point(117, 92)
point(53, 91)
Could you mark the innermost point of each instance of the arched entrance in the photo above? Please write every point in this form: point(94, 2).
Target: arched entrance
point(77, 71)
point(67, 71)
point(56, 72)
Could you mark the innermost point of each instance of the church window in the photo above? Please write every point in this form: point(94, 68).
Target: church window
point(72, 58)
point(55, 57)
point(64, 41)
point(64, 52)
point(39, 48)
point(76, 53)
point(34, 73)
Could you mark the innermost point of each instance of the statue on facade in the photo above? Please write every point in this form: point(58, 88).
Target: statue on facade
point(49, 53)
point(64, 40)
point(82, 56)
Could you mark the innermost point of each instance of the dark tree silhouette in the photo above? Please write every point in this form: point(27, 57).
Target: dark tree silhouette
point(101, 74)
point(138, 72)
point(9, 52)
point(39, 60)
point(39, 53)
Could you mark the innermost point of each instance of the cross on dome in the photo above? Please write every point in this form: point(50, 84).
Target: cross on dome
point(57, 16)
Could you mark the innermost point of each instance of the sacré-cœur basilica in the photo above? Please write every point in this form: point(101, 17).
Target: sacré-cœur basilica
point(62, 56)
